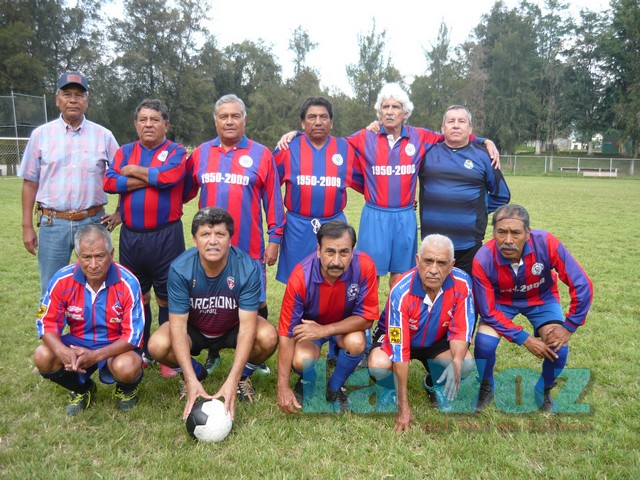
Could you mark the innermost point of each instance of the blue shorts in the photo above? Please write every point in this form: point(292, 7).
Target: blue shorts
point(105, 374)
point(299, 240)
point(538, 315)
point(390, 237)
point(149, 253)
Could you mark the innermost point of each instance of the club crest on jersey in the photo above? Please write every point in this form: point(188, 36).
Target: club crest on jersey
point(246, 161)
point(115, 320)
point(395, 335)
point(468, 164)
point(353, 291)
point(231, 282)
point(410, 149)
point(537, 268)
point(337, 160)
point(163, 156)
point(315, 224)
point(117, 308)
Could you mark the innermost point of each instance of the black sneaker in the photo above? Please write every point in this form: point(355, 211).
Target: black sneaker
point(80, 401)
point(485, 397)
point(339, 400)
point(245, 390)
point(127, 399)
point(544, 399)
point(436, 394)
point(300, 387)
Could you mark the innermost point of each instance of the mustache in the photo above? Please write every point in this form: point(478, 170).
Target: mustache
point(509, 247)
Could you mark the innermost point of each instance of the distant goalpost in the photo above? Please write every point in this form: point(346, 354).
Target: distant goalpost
point(19, 115)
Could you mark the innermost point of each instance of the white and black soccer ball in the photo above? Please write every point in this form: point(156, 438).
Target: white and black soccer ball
point(208, 421)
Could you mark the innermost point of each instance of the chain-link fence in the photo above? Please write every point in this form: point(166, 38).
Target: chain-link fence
point(607, 167)
point(19, 116)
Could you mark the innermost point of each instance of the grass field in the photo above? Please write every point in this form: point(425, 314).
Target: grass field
point(597, 219)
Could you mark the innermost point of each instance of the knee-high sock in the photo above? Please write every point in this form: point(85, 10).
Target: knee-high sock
point(69, 380)
point(148, 318)
point(345, 365)
point(552, 370)
point(485, 349)
point(308, 374)
point(128, 387)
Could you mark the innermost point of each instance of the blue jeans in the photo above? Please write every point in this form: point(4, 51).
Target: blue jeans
point(55, 244)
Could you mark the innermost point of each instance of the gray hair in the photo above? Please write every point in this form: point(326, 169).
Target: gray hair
point(230, 98)
point(438, 241)
point(152, 104)
point(91, 230)
point(458, 107)
point(511, 211)
point(395, 91)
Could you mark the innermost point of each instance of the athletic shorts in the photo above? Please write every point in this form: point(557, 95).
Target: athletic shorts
point(105, 374)
point(538, 315)
point(149, 253)
point(299, 240)
point(464, 258)
point(416, 353)
point(199, 342)
point(390, 237)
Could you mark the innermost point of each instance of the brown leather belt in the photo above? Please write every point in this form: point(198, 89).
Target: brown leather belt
point(75, 216)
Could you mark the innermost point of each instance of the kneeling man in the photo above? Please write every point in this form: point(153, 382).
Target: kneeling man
point(214, 296)
point(429, 317)
point(100, 301)
point(331, 294)
point(517, 273)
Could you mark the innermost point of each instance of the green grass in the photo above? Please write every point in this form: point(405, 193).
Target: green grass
point(596, 218)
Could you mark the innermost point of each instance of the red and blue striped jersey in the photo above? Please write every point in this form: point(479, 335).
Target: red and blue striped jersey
point(496, 283)
point(316, 180)
point(115, 313)
point(239, 181)
point(309, 296)
point(161, 202)
point(409, 322)
point(390, 174)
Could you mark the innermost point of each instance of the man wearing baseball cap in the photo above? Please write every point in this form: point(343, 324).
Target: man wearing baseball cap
point(62, 167)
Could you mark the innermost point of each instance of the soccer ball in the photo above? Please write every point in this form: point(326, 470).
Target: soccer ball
point(208, 422)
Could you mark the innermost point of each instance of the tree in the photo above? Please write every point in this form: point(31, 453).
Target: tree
point(508, 42)
point(301, 44)
point(584, 95)
point(372, 70)
point(440, 88)
point(553, 28)
point(621, 49)
point(157, 48)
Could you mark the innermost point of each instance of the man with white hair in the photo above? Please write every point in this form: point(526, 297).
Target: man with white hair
point(430, 317)
point(389, 163)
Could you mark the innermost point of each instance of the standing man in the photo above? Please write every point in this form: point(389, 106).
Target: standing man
point(62, 167)
point(514, 274)
point(100, 303)
point(331, 294)
point(316, 170)
point(429, 317)
point(149, 176)
point(390, 161)
point(214, 296)
point(239, 175)
point(459, 188)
